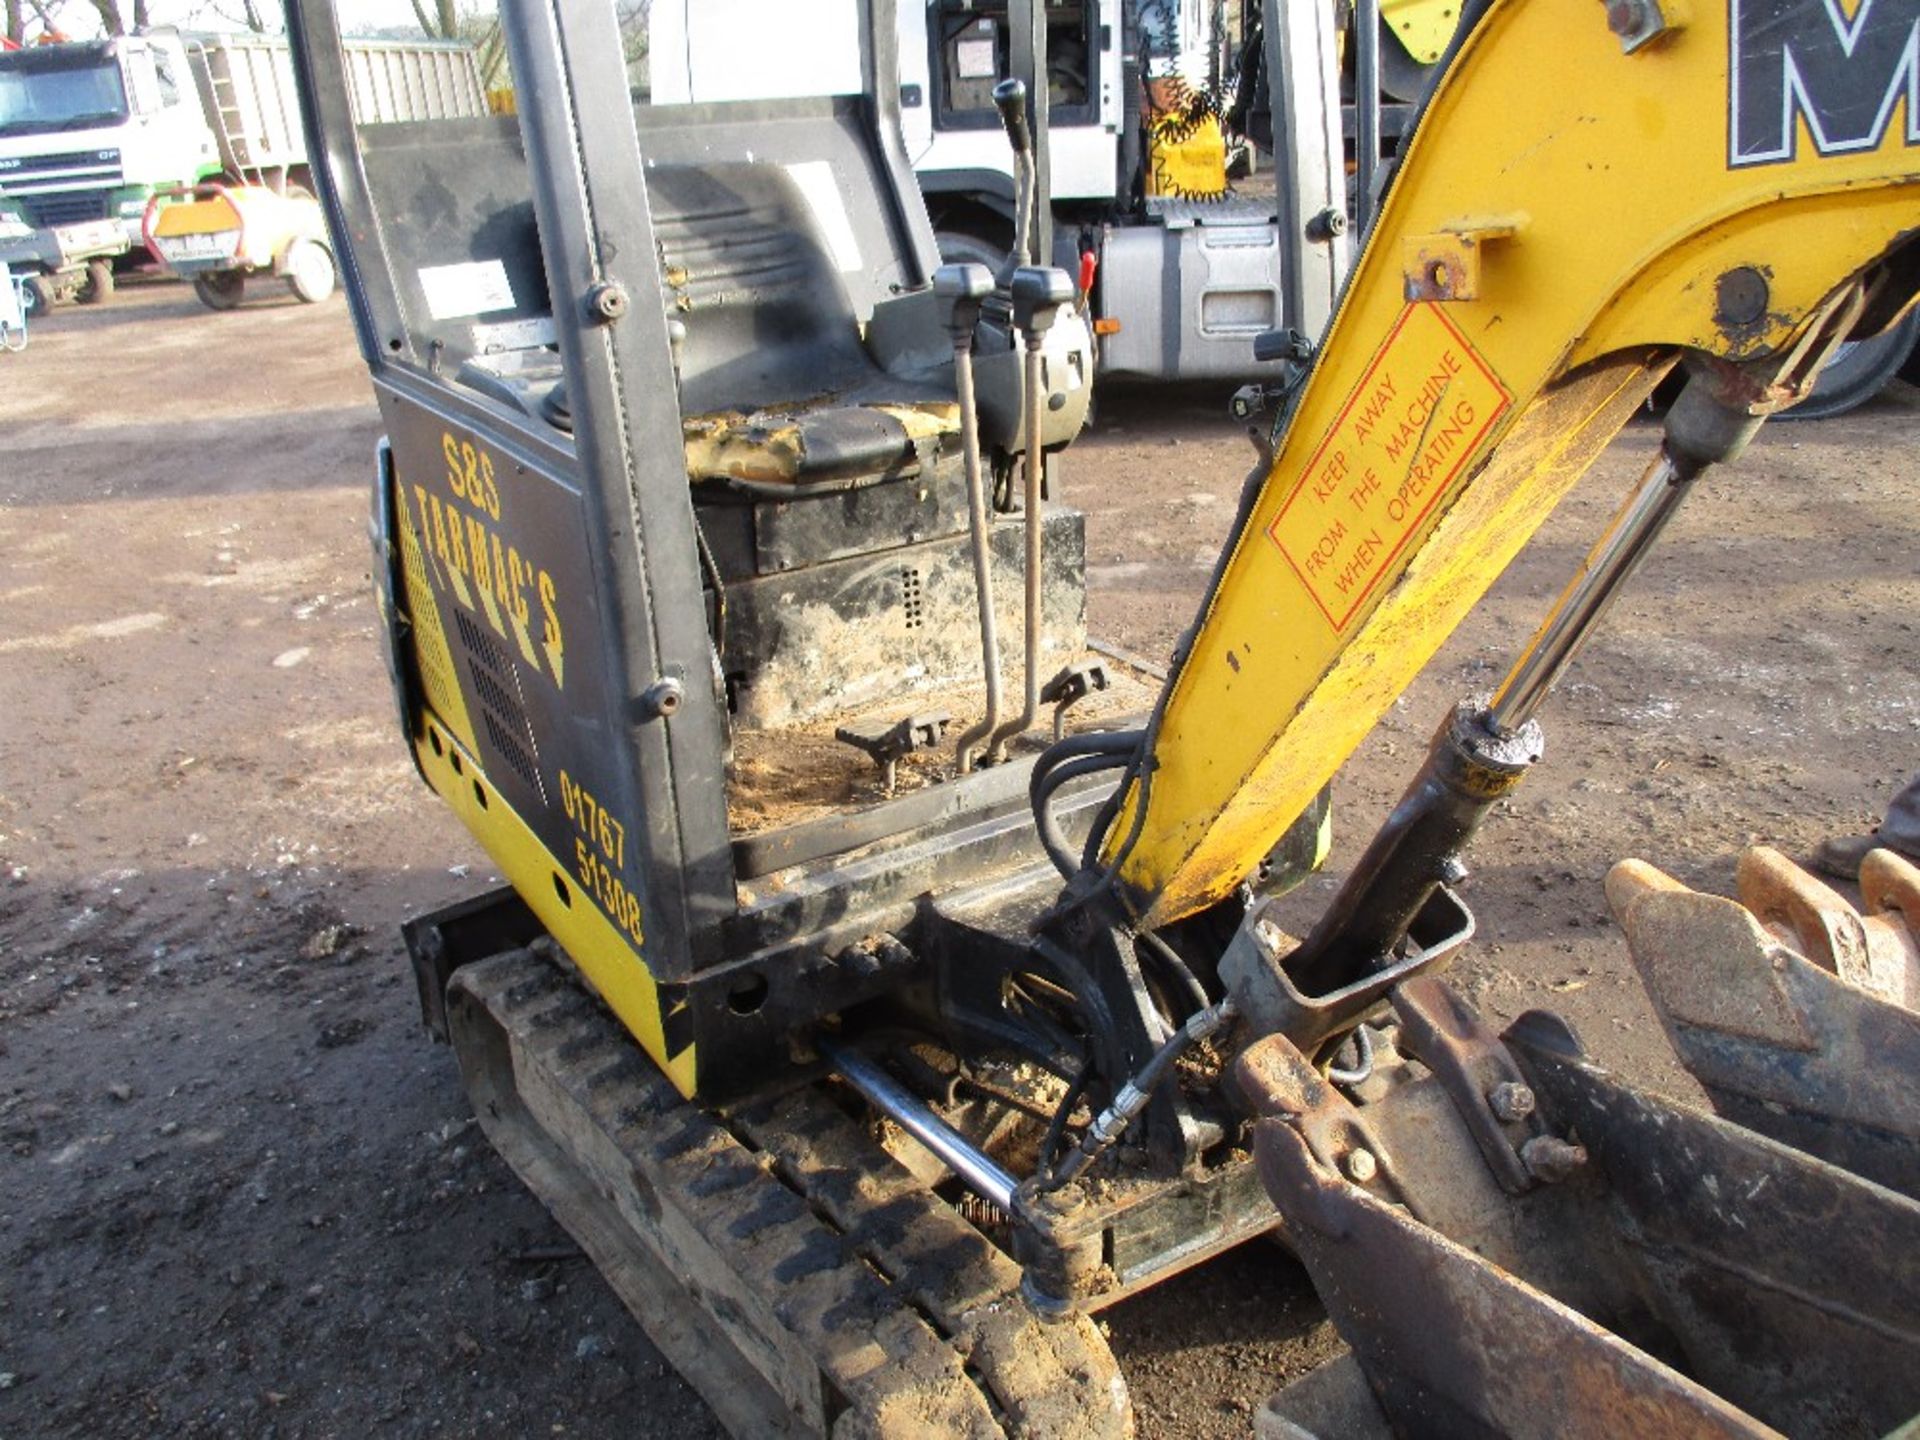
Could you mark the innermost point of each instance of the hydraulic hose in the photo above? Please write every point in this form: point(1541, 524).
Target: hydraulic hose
point(1040, 790)
point(1134, 1095)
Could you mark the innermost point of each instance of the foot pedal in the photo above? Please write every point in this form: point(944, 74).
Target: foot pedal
point(1070, 687)
point(888, 744)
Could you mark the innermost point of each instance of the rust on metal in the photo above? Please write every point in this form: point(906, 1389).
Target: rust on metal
point(1783, 1286)
point(1452, 1344)
point(1283, 1087)
point(1445, 1034)
point(1446, 265)
point(1874, 951)
point(1794, 1014)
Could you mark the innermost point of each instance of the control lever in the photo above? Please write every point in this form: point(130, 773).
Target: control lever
point(1039, 295)
point(1294, 352)
point(1010, 99)
point(960, 291)
point(888, 743)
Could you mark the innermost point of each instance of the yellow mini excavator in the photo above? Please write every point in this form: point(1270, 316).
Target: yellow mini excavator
point(891, 976)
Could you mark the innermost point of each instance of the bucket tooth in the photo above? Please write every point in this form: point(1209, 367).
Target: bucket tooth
point(1794, 1010)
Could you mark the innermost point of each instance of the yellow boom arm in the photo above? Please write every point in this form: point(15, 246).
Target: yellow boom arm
point(1576, 208)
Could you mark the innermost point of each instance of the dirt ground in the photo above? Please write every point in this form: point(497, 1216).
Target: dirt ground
point(240, 1194)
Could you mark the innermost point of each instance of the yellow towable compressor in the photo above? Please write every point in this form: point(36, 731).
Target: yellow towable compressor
point(218, 235)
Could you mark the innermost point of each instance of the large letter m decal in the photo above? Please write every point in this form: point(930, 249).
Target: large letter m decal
point(1805, 58)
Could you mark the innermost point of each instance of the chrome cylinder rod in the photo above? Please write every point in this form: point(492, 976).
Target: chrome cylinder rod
point(976, 1169)
point(1628, 538)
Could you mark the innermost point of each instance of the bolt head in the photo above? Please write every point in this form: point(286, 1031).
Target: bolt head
point(607, 300)
point(661, 698)
point(1361, 1166)
point(1549, 1159)
point(1510, 1101)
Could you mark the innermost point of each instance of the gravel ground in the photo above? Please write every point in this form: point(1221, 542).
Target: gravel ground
point(240, 1194)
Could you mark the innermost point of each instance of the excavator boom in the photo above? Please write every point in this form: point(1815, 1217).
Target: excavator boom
point(1591, 193)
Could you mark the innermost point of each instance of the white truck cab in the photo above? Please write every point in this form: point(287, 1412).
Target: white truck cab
point(1183, 284)
point(89, 130)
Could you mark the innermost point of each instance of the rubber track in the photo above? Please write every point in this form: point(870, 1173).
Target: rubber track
point(796, 1273)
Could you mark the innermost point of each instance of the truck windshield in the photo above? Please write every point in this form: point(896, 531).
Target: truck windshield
point(42, 90)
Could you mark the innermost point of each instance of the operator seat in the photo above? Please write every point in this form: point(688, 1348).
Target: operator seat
point(775, 384)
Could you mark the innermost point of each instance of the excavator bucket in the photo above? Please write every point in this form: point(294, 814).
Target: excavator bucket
point(1663, 1272)
point(1794, 1010)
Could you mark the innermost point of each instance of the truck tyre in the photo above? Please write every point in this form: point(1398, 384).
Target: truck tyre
point(309, 271)
point(37, 296)
point(220, 289)
point(98, 285)
point(961, 247)
point(1858, 371)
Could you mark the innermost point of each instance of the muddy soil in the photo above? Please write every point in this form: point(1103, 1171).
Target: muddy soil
point(240, 1194)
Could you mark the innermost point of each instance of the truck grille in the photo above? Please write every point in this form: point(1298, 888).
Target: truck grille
point(64, 207)
point(62, 189)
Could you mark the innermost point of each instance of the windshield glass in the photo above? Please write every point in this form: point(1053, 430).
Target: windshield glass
point(38, 92)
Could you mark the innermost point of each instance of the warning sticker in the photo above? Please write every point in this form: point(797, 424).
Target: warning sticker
point(1407, 430)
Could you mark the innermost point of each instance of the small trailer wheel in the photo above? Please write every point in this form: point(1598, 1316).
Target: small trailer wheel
point(310, 271)
point(98, 285)
point(220, 289)
point(37, 295)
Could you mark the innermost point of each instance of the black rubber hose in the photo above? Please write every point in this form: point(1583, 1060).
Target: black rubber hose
point(1120, 743)
point(1180, 970)
point(1057, 1127)
point(1093, 742)
point(1041, 789)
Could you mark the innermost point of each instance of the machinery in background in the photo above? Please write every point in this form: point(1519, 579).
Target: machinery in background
point(13, 312)
point(218, 235)
point(91, 132)
point(1178, 272)
point(1860, 370)
point(891, 977)
point(59, 262)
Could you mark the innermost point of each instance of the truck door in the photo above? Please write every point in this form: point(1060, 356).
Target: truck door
point(968, 45)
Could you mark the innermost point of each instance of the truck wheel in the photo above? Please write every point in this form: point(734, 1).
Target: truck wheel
point(961, 247)
point(310, 272)
point(1858, 371)
point(37, 296)
point(98, 285)
point(220, 289)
